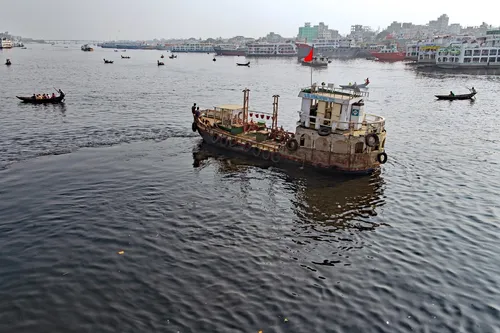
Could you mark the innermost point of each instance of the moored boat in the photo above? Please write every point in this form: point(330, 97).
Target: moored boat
point(333, 132)
point(87, 48)
point(390, 53)
point(230, 50)
point(108, 61)
point(34, 100)
point(245, 64)
point(6, 43)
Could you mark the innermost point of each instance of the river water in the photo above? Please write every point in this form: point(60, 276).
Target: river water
point(218, 243)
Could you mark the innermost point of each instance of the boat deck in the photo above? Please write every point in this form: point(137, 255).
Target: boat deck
point(251, 136)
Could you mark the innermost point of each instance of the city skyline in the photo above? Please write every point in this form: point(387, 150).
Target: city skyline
point(126, 19)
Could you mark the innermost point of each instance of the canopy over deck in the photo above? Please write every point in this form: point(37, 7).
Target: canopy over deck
point(229, 107)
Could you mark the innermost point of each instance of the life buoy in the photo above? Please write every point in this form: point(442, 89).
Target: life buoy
point(372, 140)
point(265, 154)
point(324, 131)
point(194, 127)
point(292, 145)
point(382, 158)
point(275, 157)
point(255, 151)
point(215, 138)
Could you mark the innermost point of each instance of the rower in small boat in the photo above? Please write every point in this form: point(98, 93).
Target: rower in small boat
point(214, 59)
point(451, 93)
point(160, 63)
point(162, 56)
point(7, 62)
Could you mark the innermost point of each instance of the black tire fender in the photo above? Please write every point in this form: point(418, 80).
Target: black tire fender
point(382, 158)
point(292, 145)
point(372, 140)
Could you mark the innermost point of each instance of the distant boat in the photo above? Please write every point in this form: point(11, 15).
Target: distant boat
point(160, 63)
point(85, 48)
point(162, 56)
point(32, 100)
point(125, 57)
point(245, 64)
point(172, 56)
point(108, 61)
point(7, 62)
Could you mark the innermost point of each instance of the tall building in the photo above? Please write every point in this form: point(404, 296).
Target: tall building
point(454, 29)
point(307, 32)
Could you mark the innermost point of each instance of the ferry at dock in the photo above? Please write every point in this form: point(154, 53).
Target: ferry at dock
point(194, 48)
point(333, 132)
point(230, 50)
point(263, 49)
point(6, 44)
point(389, 53)
point(331, 48)
point(482, 53)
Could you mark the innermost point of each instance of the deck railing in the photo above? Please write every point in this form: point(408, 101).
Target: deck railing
point(371, 124)
point(336, 91)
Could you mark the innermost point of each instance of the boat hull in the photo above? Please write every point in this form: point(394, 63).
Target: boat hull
point(223, 52)
point(393, 56)
point(456, 97)
point(352, 86)
point(355, 164)
point(332, 53)
point(30, 100)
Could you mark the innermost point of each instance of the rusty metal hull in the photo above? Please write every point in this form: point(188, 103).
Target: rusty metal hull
point(360, 164)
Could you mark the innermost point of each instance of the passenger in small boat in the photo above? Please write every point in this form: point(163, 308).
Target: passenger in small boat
point(451, 93)
point(197, 113)
point(193, 108)
point(53, 95)
point(473, 90)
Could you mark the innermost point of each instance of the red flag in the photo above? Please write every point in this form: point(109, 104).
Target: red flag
point(309, 56)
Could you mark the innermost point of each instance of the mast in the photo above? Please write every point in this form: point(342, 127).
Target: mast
point(312, 65)
point(246, 93)
point(274, 126)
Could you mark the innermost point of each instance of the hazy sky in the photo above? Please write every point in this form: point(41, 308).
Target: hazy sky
point(147, 19)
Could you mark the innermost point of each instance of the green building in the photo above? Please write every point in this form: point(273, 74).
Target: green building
point(307, 32)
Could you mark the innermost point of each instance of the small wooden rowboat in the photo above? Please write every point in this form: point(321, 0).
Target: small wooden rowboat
point(455, 97)
point(245, 64)
point(32, 100)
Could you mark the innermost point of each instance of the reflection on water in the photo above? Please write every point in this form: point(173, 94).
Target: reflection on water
point(332, 201)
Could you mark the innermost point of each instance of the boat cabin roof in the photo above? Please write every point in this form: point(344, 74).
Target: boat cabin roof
point(334, 95)
point(230, 107)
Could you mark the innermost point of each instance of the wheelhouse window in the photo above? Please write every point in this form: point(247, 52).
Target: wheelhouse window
point(477, 52)
point(468, 53)
point(493, 59)
point(484, 59)
point(475, 59)
point(484, 52)
point(493, 52)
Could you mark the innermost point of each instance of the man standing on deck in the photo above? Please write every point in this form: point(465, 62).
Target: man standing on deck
point(193, 108)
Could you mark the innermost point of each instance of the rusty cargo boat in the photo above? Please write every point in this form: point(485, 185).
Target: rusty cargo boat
point(333, 132)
